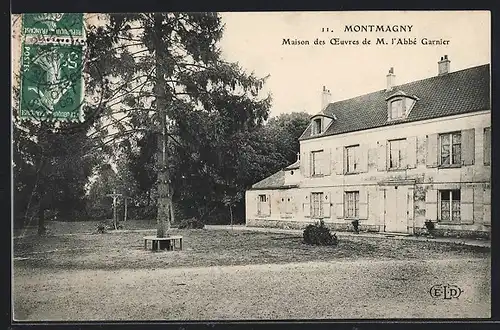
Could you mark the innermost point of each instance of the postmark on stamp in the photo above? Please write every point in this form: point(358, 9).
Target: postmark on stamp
point(52, 82)
point(53, 24)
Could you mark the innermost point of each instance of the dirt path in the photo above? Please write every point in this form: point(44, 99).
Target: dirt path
point(340, 289)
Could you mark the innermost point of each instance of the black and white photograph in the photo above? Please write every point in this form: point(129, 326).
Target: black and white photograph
point(220, 166)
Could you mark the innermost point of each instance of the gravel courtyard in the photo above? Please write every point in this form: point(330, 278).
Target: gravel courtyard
point(339, 289)
point(222, 275)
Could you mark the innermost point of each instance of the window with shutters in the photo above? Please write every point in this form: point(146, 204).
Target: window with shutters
point(316, 208)
point(397, 154)
point(316, 163)
point(262, 205)
point(450, 149)
point(351, 207)
point(352, 159)
point(487, 146)
point(449, 205)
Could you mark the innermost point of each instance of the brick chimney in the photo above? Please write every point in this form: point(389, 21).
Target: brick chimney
point(326, 98)
point(391, 80)
point(443, 65)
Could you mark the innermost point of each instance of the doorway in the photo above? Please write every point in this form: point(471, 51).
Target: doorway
point(396, 209)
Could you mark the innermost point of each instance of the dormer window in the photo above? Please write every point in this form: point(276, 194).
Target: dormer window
point(320, 123)
point(317, 126)
point(399, 105)
point(396, 109)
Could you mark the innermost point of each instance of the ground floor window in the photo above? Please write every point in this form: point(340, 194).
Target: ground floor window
point(449, 205)
point(262, 205)
point(352, 204)
point(316, 205)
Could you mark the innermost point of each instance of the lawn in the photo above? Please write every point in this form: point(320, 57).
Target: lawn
point(81, 227)
point(257, 275)
point(125, 250)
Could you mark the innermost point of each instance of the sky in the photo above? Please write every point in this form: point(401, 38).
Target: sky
point(299, 72)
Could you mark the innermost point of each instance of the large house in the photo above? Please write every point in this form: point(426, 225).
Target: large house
point(393, 159)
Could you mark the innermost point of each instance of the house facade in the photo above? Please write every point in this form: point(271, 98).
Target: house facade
point(392, 159)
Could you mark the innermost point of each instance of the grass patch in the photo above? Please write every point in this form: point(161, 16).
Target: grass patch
point(81, 227)
point(125, 250)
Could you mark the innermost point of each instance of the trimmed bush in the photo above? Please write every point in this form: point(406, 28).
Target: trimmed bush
point(318, 234)
point(192, 223)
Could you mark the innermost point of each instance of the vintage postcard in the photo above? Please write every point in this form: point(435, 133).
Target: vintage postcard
point(251, 166)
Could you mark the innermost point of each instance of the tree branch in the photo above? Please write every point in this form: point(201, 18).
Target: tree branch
point(115, 92)
point(101, 129)
point(116, 136)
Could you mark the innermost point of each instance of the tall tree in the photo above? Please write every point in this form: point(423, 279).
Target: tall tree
point(287, 128)
point(166, 65)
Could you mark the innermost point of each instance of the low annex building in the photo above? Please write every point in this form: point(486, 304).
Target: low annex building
point(392, 159)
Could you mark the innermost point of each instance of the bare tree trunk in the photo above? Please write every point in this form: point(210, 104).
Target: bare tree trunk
point(163, 214)
point(231, 213)
point(164, 194)
point(125, 211)
point(114, 212)
point(41, 220)
point(33, 191)
point(172, 219)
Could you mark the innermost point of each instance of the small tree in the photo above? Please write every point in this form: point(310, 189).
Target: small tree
point(230, 202)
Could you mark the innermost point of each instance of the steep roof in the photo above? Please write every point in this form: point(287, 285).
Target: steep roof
point(293, 166)
point(275, 180)
point(454, 93)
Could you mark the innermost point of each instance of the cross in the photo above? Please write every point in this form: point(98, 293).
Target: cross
point(115, 196)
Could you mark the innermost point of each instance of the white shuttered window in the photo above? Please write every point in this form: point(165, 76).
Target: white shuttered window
point(352, 204)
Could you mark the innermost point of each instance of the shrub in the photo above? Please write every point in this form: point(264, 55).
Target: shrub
point(429, 225)
point(430, 228)
point(355, 224)
point(192, 223)
point(102, 228)
point(318, 234)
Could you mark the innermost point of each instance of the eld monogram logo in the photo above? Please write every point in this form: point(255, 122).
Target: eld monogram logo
point(445, 291)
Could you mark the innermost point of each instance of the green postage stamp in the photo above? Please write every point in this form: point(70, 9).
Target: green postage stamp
point(52, 85)
point(52, 82)
point(53, 24)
